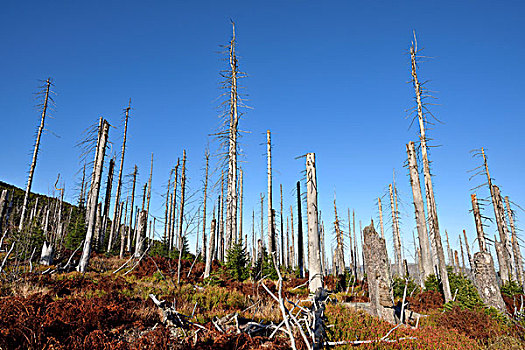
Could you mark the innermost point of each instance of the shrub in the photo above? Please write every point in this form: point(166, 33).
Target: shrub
point(399, 287)
point(432, 283)
point(237, 263)
point(511, 288)
point(467, 296)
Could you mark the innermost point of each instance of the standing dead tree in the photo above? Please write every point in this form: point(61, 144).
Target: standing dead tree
point(419, 210)
point(46, 103)
point(181, 213)
point(340, 250)
point(114, 225)
point(314, 256)
point(515, 245)
point(271, 233)
point(205, 199)
point(93, 193)
point(396, 237)
point(300, 244)
point(429, 190)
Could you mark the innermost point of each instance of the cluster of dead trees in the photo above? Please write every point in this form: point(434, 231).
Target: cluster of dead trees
point(131, 227)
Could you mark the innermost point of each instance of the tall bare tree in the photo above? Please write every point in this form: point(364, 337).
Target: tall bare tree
point(314, 256)
point(181, 213)
point(429, 190)
point(47, 100)
point(271, 234)
point(94, 192)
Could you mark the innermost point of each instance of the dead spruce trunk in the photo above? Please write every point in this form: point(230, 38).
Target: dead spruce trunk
point(378, 274)
point(340, 252)
point(271, 234)
point(515, 245)
point(293, 259)
point(486, 281)
point(231, 199)
point(93, 195)
point(504, 272)
point(239, 238)
point(181, 219)
point(283, 250)
point(107, 201)
point(314, 257)
point(429, 190)
point(211, 248)
point(504, 234)
point(395, 231)
point(469, 256)
point(449, 251)
point(300, 245)
point(380, 207)
point(419, 212)
point(479, 223)
point(142, 225)
point(119, 182)
point(35, 156)
point(205, 199)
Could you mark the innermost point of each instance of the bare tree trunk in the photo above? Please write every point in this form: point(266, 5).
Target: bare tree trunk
point(288, 248)
point(149, 183)
point(486, 281)
point(271, 235)
point(478, 222)
point(351, 260)
point(380, 207)
point(35, 155)
point(503, 233)
point(174, 206)
point(221, 223)
point(107, 201)
point(283, 250)
point(231, 201)
point(463, 269)
point(204, 246)
point(253, 258)
point(429, 190)
point(167, 213)
point(181, 214)
point(119, 183)
point(294, 260)
point(515, 246)
point(314, 258)
point(240, 205)
point(355, 246)
point(419, 210)
point(211, 248)
point(123, 231)
point(470, 261)
point(94, 192)
point(449, 251)
point(300, 245)
point(142, 226)
point(128, 243)
point(397, 245)
point(3, 206)
point(340, 252)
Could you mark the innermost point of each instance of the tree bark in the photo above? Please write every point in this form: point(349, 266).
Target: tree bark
point(181, 214)
point(395, 231)
point(503, 233)
point(142, 226)
point(515, 245)
point(105, 212)
point(204, 246)
point(300, 245)
point(419, 212)
point(271, 235)
point(314, 258)
point(94, 192)
point(211, 248)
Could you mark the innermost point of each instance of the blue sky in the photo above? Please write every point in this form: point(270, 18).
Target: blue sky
point(325, 77)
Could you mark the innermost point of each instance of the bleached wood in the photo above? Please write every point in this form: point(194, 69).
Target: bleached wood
point(314, 257)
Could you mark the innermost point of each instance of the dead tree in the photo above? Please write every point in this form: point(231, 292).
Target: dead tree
point(181, 214)
point(419, 211)
point(130, 232)
point(293, 260)
point(211, 247)
point(240, 205)
point(47, 99)
point(498, 214)
point(142, 225)
point(504, 235)
point(469, 256)
point(486, 282)
point(396, 238)
point(339, 252)
point(479, 223)
point(173, 207)
point(429, 190)
point(107, 201)
point(123, 231)
point(93, 193)
point(449, 251)
point(221, 222)
point(380, 207)
point(515, 245)
point(283, 250)
point(149, 184)
point(119, 183)
point(205, 199)
point(314, 257)
point(351, 261)
point(271, 234)
point(300, 245)
point(463, 269)
point(3, 205)
point(234, 115)
point(378, 274)
point(167, 212)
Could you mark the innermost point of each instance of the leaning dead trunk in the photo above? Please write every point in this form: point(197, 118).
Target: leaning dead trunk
point(93, 193)
point(35, 155)
point(314, 257)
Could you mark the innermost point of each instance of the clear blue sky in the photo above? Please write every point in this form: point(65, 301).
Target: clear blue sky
point(325, 77)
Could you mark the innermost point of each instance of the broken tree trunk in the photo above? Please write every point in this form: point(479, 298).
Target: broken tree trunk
point(300, 245)
point(380, 207)
point(469, 256)
point(504, 272)
point(486, 281)
point(35, 155)
point(93, 193)
point(449, 251)
point(515, 245)
point(378, 274)
point(119, 182)
point(142, 225)
point(107, 201)
point(429, 190)
point(205, 199)
point(211, 248)
point(479, 223)
point(419, 210)
point(130, 230)
point(503, 233)
point(314, 257)
point(181, 219)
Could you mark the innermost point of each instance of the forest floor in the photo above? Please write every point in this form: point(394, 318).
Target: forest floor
point(105, 310)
